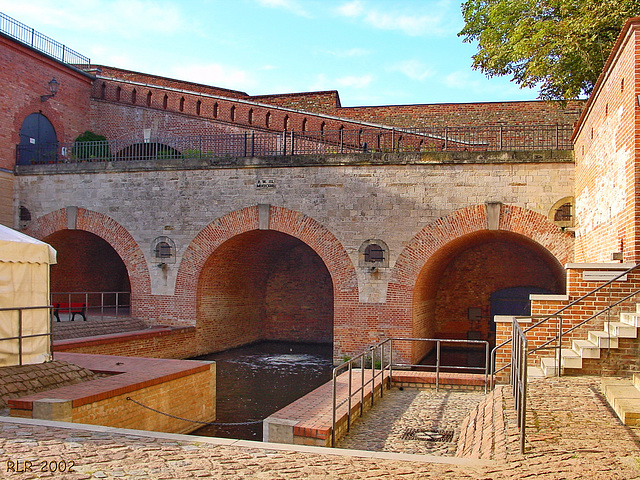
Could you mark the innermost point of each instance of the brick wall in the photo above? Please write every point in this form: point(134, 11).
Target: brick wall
point(25, 74)
point(606, 152)
point(86, 263)
point(163, 343)
point(192, 397)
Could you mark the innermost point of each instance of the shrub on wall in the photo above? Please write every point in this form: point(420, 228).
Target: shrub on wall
point(90, 146)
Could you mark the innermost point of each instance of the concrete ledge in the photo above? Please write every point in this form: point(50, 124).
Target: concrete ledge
point(70, 344)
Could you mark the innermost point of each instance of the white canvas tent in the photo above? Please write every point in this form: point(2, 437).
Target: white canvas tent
point(24, 282)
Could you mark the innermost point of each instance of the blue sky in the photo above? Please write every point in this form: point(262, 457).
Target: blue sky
point(374, 52)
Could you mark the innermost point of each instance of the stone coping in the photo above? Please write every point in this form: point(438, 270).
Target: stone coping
point(157, 331)
point(249, 444)
point(127, 375)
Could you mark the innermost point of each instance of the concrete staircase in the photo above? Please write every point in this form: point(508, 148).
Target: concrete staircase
point(624, 397)
point(572, 357)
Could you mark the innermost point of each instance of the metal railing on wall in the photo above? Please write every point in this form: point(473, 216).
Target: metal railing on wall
point(377, 363)
point(270, 144)
point(29, 36)
point(519, 378)
point(94, 304)
point(13, 345)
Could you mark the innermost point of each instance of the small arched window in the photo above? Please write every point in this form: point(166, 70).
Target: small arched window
point(373, 253)
point(198, 107)
point(134, 96)
point(103, 90)
point(250, 116)
point(232, 113)
point(163, 250)
point(304, 124)
point(118, 93)
point(267, 119)
point(182, 104)
point(165, 101)
point(149, 95)
point(285, 123)
point(215, 110)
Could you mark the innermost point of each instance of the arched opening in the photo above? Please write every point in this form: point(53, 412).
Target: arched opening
point(148, 151)
point(38, 141)
point(465, 282)
point(87, 264)
point(263, 285)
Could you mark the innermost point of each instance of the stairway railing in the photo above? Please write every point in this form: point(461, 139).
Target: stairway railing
point(560, 334)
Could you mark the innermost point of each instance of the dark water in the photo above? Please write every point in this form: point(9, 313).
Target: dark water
point(255, 381)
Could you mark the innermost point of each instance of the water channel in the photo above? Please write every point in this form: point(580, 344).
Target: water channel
point(257, 380)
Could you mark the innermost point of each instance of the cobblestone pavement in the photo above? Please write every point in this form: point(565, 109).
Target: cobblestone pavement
point(95, 325)
point(572, 434)
point(401, 420)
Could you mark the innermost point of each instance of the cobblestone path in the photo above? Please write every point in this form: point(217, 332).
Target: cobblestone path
point(389, 425)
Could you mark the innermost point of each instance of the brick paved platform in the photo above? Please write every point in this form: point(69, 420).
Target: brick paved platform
point(572, 435)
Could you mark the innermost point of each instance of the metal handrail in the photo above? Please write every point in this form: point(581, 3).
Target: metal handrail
point(387, 364)
point(116, 306)
point(519, 354)
point(20, 337)
point(34, 39)
point(557, 314)
point(267, 143)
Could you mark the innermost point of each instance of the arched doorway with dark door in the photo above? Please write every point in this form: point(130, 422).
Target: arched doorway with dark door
point(38, 141)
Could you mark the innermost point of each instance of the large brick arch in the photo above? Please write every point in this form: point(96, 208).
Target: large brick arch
point(293, 223)
point(473, 219)
point(424, 259)
point(109, 230)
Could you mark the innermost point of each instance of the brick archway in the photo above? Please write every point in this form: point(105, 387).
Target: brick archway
point(109, 230)
point(250, 219)
point(437, 243)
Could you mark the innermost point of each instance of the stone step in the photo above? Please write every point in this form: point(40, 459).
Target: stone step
point(586, 349)
point(603, 339)
point(549, 366)
point(534, 372)
point(630, 318)
point(624, 398)
point(621, 330)
point(571, 359)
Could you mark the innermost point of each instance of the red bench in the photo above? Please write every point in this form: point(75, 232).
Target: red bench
point(72, 308)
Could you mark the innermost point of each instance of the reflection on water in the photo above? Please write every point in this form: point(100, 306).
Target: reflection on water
point(255, 381)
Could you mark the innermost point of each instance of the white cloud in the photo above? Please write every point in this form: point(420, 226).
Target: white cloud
point(413, 69)
point(389, 16)
point(351, 52)
point(361, 81)
point(215, 74)
point(290, 5)
point(120, 17)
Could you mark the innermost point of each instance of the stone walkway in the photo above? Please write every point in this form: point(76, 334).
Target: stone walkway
point(94, 326)
point(572, 434)
point(402, 419)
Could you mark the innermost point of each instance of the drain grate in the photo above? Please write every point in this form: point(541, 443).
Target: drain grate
point(428, 435)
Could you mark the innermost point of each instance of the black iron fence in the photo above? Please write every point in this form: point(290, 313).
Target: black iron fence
point(29, 36)
point(254, 143)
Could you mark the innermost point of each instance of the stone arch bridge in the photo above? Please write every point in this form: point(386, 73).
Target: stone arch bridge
point(342, 248)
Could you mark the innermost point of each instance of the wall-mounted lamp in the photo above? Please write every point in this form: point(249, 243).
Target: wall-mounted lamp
point(53, 88)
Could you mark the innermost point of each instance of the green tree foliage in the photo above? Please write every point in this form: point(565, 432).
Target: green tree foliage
point(559, 46)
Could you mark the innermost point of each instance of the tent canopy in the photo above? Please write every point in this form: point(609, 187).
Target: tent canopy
point(18, 247)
